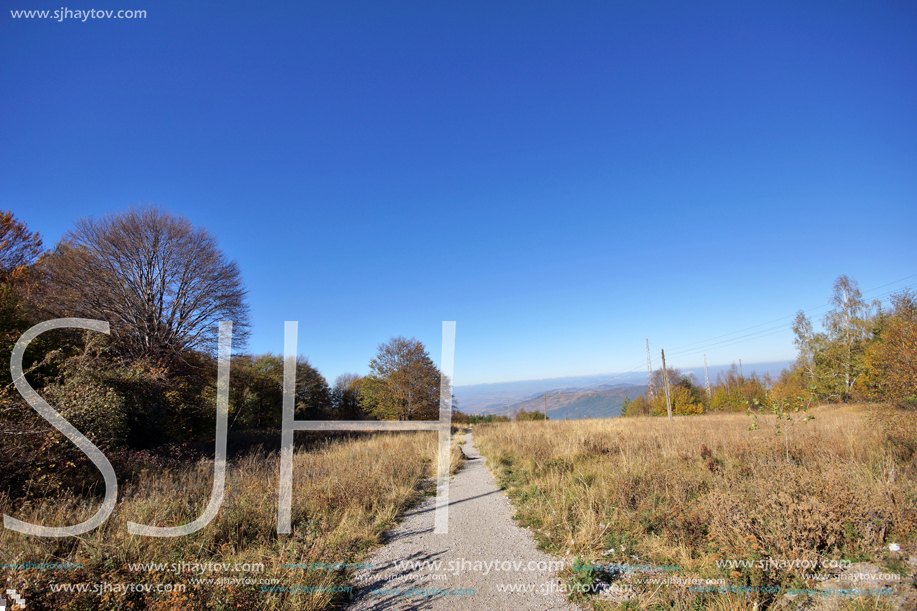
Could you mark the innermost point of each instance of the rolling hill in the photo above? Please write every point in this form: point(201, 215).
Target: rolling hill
point(572, 403)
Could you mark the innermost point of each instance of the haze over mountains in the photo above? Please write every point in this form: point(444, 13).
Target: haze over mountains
point(601, 402)
point(595, 396)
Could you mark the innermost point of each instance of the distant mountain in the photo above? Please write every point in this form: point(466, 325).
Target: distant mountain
point(478, 398)
point(614, 386)
point(492, 398)
point(575, 403)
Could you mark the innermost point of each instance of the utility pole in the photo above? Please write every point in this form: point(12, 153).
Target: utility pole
point(707, 378)
point(650, 388)
point(741, 375)
point(665, 381)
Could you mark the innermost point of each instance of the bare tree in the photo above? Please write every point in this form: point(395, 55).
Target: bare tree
point(345, 397)
point(161, 283)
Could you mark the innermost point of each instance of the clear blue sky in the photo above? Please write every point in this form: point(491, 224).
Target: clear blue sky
point(562, 179)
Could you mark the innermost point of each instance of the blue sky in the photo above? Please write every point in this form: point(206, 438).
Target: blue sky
point(564, 180)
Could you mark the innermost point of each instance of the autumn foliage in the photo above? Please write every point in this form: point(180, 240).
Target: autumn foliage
point(861, 352)
point(890, 360)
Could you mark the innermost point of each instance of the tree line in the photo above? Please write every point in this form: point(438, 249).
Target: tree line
point(863, 352)
point(163, 285)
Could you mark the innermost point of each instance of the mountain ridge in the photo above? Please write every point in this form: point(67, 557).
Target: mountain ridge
point(588, 403)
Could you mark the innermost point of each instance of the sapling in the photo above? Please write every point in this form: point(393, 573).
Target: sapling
point(781, 412)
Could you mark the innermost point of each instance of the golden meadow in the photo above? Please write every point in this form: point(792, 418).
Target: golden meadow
point(706, 488)
point(346, 494)
point(686, 493)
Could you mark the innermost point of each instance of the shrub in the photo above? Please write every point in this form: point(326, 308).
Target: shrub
point(113, 405)
point(638, 407)
point(92, 406)
point(683, 403)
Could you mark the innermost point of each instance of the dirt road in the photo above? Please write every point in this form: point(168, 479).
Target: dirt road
point(485, 562)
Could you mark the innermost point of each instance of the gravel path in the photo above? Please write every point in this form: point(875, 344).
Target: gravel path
point(483, 551)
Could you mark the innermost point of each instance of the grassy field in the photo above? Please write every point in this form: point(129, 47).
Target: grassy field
point(705, 490)
point(345, 495)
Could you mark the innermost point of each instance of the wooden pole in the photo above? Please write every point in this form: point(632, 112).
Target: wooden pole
point(650, 389)
point(665, 381)
point(707, 378)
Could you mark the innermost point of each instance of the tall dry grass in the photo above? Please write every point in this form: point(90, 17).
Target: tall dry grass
point(702, 489)
point(345, 495)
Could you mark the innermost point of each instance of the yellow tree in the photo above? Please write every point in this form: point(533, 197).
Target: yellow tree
point(403, 383)
point(20, 250)
point(684, 403)
point(790, 385)
point(848, 326)
point(833, 359)
point(638, 407)
point(891, 360)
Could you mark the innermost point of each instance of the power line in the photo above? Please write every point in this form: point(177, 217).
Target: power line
point(681, 349)
point(689, 350)
point(769, 331)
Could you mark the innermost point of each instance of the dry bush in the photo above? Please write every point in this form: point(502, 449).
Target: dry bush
point(702, 489)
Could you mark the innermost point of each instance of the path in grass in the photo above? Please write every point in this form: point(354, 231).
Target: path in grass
point(481, 533)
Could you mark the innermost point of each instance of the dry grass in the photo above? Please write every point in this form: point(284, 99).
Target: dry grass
point(702, 489)
point(345, 495)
